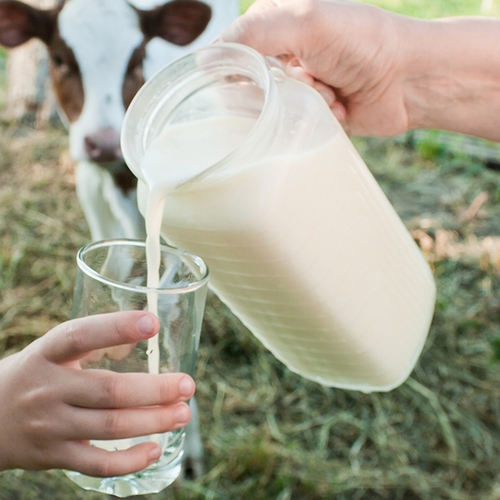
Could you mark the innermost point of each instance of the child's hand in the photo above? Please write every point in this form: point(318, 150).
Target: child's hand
point(51, 408)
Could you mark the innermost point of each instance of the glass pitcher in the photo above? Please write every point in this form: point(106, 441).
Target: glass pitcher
point(260, 180)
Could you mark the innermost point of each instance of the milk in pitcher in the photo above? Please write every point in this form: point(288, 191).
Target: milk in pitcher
point(301, 242)
point(324, 286)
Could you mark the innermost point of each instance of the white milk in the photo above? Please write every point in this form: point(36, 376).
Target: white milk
point(305, 249)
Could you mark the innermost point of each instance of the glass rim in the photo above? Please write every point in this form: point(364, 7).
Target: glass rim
point(94, 245)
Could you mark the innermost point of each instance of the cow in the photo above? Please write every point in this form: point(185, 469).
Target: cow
point(100, 53)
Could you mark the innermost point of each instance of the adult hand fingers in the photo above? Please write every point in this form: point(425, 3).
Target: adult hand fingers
point(74, 339)
point(89, 424)
point(97, 462)
point(272, 30)
point(106, 389)
point(294, 70)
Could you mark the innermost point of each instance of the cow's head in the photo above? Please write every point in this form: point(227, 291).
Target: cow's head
point(96, 49)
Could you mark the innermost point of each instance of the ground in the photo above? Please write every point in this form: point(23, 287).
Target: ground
point(269, 433)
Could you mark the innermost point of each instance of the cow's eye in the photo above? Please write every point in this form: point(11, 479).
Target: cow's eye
point(57, 60)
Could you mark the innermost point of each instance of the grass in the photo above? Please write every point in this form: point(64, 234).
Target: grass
point(424, 8)
point(268, 433)
point(435, 8)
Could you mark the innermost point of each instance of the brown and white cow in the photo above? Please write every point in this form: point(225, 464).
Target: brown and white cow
point(101, 52)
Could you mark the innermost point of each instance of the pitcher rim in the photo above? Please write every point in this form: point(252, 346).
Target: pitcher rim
point(129, 136)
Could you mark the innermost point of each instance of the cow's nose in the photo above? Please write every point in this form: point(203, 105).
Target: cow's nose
point(103, 146)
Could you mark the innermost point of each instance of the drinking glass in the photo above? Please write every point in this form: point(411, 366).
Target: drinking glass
point(112, 276)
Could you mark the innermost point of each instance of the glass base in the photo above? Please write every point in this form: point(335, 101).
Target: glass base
point(153, 479)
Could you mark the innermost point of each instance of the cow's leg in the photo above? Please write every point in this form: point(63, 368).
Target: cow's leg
point(193, 465)
point(89, 189)
point(92, 187)
point(124, 210)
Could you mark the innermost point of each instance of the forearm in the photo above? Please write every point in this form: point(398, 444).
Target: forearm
point(452, 75)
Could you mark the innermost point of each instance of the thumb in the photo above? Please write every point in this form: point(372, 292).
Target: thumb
point(271, 30)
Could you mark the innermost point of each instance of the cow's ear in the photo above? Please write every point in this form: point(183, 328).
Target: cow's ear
point(179, 21)
point(20, 22)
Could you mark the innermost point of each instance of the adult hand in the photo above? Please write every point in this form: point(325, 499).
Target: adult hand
point(347, 51)
point(51, 408)
point(382, 73)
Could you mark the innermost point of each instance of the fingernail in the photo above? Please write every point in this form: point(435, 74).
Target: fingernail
point(146, 325)
point(338, 111)
point(154, 454)
point(186, 387)
point(182, 414)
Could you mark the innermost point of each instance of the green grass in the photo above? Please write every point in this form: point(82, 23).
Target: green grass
point(433, 8)
point(423, 9)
